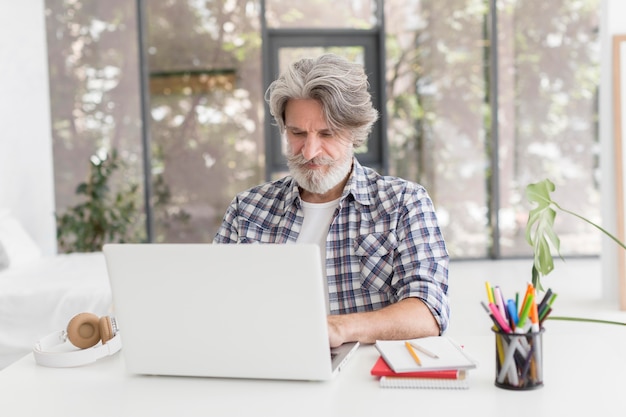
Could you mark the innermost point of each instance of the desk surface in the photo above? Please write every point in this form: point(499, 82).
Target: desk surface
point(583, 367)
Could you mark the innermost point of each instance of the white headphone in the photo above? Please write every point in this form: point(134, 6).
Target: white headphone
point(84, 331)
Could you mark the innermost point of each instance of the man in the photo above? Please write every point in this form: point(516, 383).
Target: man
point(385, 259)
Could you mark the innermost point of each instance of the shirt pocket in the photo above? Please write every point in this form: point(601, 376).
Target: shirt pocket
point(251, 232)
point(375, 253)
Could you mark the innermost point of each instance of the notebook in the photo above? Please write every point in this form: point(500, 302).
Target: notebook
point(444, 354)
point(446, 379)
point(232, 311)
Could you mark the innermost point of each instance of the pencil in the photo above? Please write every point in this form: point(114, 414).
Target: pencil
point(424, 350)
point(412, 352)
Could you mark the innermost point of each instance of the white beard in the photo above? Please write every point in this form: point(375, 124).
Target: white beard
point(316, 181)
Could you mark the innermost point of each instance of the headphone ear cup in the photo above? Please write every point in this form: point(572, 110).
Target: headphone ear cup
point(106, 329)
point(83, 330)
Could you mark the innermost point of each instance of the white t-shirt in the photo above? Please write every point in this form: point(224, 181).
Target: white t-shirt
point(317, 219)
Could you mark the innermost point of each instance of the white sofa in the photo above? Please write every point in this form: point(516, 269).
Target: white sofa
point(40, 294)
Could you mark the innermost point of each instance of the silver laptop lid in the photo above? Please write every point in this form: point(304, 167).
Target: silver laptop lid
point(237, 311)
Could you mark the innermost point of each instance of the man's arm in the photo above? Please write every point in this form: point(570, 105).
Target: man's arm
point(407, 319)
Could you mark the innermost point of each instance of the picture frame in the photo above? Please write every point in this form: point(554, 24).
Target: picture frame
point(619, 134)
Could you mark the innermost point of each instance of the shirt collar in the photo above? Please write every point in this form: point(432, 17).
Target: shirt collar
point(357, 185)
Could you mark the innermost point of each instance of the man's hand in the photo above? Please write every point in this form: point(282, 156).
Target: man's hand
point(335, 335)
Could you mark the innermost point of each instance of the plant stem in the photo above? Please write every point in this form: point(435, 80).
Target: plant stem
point(585, 320)
point(593, 224)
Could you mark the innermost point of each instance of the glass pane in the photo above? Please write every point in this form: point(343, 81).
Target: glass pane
point(321, 14)
point(94, 90)
point(207, 113)
point(435, 107)
point(549, 73)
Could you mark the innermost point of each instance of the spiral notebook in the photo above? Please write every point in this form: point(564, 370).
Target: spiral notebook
point(424, 383)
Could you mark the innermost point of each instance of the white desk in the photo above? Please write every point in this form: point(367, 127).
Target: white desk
point(583, 375)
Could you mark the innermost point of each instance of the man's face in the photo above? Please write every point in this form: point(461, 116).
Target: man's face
point(318, 158)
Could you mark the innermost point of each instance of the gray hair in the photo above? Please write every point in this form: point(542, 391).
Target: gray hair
point(339, 85)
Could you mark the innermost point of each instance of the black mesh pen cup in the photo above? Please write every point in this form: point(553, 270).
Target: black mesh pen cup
point(519, 360)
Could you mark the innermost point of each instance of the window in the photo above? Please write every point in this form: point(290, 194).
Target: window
point(442, 75)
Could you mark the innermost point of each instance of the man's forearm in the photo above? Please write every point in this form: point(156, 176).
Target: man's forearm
point(407, 319)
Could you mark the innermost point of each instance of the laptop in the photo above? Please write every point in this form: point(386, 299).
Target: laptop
point(252, 311)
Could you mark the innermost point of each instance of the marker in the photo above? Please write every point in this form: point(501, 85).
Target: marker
point(529, 289)
point(502, 324)
point(499, 302)
point(496, 325)
point(534, 317)
point(545, 315)
point(536, 343)
point(544, 300)
point(489, 292)
point(504, 342)
point(412, 352)
point(546, 307)
point(525, 310)
point(424, 350)
point(512, 309)
point(492, 317)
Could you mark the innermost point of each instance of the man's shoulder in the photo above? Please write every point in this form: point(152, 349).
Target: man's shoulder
point(278, 189)
point(378, 184)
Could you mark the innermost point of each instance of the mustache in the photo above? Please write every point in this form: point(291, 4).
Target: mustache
point(301, 160)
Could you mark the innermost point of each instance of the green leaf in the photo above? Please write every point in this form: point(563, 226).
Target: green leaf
point(540, 232)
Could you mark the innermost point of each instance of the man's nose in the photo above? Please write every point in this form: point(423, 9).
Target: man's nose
point(312, 146)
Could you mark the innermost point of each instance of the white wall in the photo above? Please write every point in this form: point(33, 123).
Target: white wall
point(26, 173)
point(612, 23)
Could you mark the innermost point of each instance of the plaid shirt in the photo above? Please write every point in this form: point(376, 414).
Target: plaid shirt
point(383, 245)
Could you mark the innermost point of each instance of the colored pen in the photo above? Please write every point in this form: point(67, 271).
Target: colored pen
point(499, 302)
point(504, 343)
point(545, 299)
point(529, 288)
point(502, 324)
point(535, 328)
point(534, 317)
point(424, 350)
point(544, 316)
point(489, 292)
point(507, 368)
point(413, 354)
point(525, 310)
point(512, 309)
point(496, 325)
point(547, 307)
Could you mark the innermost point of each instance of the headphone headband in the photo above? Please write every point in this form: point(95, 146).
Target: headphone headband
point(45, 357)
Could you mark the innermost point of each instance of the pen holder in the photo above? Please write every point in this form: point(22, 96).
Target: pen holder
point(519, 360)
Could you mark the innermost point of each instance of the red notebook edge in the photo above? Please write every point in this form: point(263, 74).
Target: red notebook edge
point(381, 368)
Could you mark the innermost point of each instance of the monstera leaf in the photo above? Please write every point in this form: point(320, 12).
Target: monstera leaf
point(540, 232)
